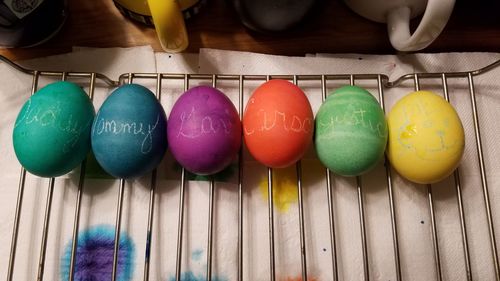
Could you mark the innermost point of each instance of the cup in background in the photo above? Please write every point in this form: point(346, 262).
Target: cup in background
point(167, 16)
point(273, 15)
point(398, 13)
point(29, 23)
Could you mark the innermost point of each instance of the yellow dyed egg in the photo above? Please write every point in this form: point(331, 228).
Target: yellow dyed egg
point(426, 137)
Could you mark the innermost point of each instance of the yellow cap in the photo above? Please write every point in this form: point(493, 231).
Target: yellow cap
point(169, 25)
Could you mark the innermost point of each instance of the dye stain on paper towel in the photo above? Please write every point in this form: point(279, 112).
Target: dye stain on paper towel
point(298, 278)
point(191, 276)
point(197, 255)
point(94, 256)
point(284, 188)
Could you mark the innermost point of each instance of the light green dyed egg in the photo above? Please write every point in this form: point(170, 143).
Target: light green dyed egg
point(351, 131)
point(52, 131)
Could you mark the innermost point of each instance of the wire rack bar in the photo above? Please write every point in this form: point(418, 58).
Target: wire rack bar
point(361, 209)
point(435, 242)
point(20, 194)
point(15, 230)
point(46, 223)
point(211, 200)
point(147, 254)
point(74, 243)
point(272, 269)
point(384, 78)
point(456, 176)
point(210, 229)
point(303, 251)
point(484, 181)
point(395, 239)
point(364, 247)
point(382, 82)
point(331, 210)
point(118, 224)
point(180, 224)
point(152, 190)
point(46, 220)
point(178, 260)
point(302, 77)
point(240, 184)
point(119, 211)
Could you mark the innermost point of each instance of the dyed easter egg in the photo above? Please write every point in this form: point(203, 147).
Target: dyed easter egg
point(129, 134)
point(426, 137)
point(52, 132)
point(204, 131)
point(351, 131)
point(278, 124)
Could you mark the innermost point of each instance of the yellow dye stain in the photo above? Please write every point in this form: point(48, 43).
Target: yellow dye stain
point(284, 188)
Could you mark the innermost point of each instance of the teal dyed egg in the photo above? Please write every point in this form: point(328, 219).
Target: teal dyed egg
point(52, 131)
point(351, 131)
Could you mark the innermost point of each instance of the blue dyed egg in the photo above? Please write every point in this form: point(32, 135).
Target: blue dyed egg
point(129, 134)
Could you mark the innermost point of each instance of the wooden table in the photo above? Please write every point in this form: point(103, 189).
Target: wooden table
point(334, 28)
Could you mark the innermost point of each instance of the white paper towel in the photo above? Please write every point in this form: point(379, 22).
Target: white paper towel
point(411, 202)
point(412, 211)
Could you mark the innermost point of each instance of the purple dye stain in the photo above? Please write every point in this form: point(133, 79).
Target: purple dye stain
point(95, 253)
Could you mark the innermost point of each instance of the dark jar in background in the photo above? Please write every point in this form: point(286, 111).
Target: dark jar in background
point(26, 23)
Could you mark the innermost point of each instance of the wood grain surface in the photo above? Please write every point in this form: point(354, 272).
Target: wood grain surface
point(332, 28)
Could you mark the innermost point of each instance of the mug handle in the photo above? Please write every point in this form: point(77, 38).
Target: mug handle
point(169, 25)
point(435, 17)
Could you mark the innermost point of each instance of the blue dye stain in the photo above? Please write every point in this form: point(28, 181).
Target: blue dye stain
point(94, 255)
point(196, 254)
point(190, 276)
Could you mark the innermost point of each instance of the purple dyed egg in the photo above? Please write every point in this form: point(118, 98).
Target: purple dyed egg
point(204, 130)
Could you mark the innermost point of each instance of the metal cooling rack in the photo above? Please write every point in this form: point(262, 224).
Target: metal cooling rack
point(382, 83)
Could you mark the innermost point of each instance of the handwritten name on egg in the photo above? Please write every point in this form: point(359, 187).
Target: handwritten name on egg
point(118, 127)
point(280, 120)
point(208, 124)
point(45, 117)
point(355, 117)
point(420, 120)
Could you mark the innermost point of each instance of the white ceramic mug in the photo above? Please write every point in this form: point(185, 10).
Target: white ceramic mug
point(397, 15)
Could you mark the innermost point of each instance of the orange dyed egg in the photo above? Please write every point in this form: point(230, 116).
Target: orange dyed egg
point(278, 124)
